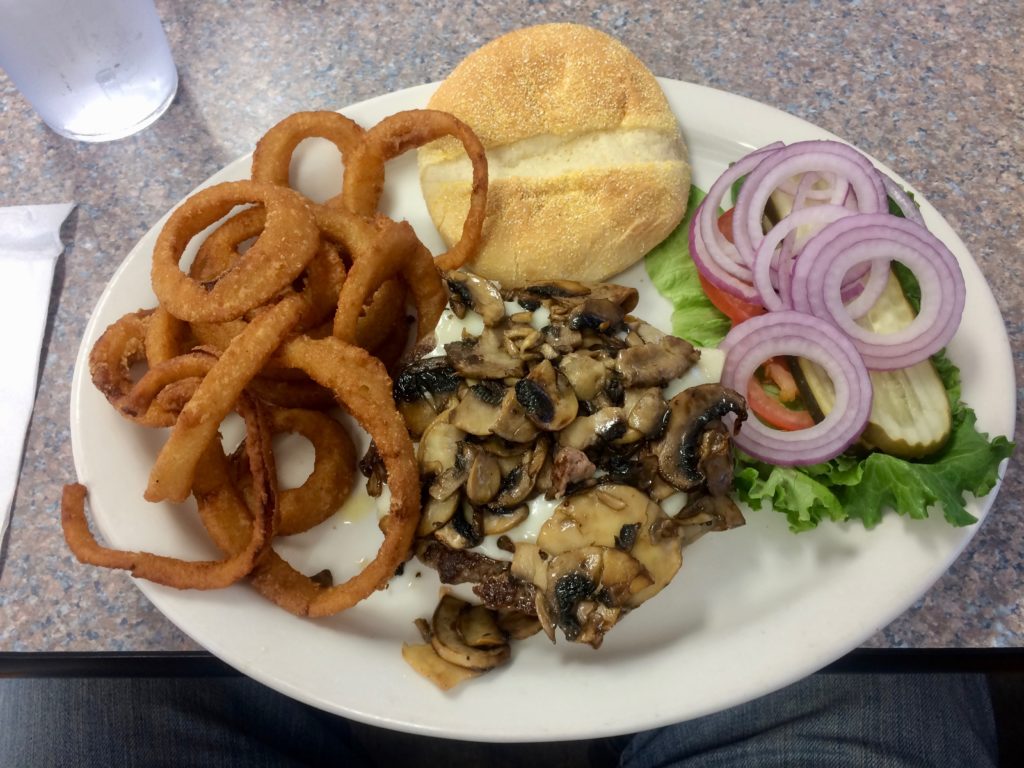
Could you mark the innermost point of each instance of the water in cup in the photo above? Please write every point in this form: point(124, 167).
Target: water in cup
point(94, 70)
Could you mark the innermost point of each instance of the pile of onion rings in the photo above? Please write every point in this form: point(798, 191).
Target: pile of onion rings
point(288, 310)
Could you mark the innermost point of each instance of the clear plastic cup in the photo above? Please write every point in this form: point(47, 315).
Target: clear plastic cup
point(94, 70)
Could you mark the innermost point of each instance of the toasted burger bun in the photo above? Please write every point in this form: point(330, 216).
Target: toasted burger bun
point(588, 170)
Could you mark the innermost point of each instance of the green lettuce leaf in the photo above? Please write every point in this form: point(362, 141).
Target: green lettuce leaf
point(969, 462)
point(851, 486)
point(950, 376)
point(674, 274)
point(803, 498)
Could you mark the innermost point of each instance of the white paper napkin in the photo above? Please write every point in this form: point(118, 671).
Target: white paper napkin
point(29, 246)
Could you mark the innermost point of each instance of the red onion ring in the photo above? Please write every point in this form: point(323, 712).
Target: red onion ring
point(716, 249)
point(787, 332)
point(861, 296)
point(835, 193)
point(803, 157)
point(902, 200)
point(820, 270)
point(792, 187)
point(710, 269)
point(765, 257)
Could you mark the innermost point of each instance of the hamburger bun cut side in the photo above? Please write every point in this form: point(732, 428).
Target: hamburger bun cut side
point(588, 170)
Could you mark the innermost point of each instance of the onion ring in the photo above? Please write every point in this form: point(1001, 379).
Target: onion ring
point(219, 251)
point(143, 401)
point(172, 473)
point(385, 311)
point(277, 296)
point(381, 249)
point(304, 393)
point(175, 396)
point(334, 467)
point(166, 337)
point(363, 387)
point(394, 135)
point(210, 484)
point(392, 349)
point(385, 250)
point(122, 345)
point(272, 158)
point(322, 283)
point(287, 244)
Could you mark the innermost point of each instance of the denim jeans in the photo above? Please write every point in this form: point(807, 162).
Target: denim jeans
point(889, 721)
point(837, 721)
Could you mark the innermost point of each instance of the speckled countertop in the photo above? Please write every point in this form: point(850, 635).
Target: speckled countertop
point(935, 94)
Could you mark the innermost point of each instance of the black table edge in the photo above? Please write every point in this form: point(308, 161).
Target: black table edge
point(202, 664)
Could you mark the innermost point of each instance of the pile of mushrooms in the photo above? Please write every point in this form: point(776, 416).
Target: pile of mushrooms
point(561, 394)
point(462, 641)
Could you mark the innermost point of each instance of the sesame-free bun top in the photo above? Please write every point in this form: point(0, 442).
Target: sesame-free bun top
point(587, 166)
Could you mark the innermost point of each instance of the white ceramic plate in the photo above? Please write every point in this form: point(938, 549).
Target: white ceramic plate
point(751, 610)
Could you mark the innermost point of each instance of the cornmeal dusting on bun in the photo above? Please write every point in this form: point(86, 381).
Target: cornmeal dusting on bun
point(588, 170)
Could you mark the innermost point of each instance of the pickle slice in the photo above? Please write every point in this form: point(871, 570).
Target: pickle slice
point(910, 414)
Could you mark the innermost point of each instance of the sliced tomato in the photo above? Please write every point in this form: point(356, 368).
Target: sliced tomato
point(733, 307)
point(777, 372)
point(725, 224)
point(774, 413)
point(766, 407)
